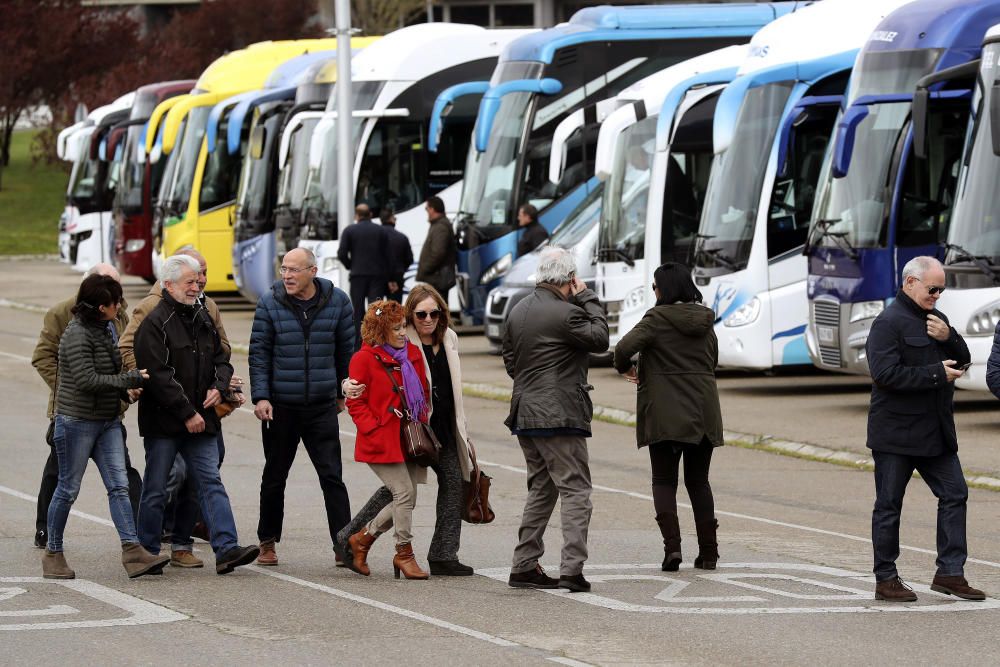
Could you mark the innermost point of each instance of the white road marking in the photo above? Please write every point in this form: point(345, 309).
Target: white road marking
point(53, 610)
point(139, 611)
point(34, 499)
point(414, 615)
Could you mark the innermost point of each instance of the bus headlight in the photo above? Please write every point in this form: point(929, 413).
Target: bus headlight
point(984, 322)
point(864, 310)
point(744, 315)
point(497, 269)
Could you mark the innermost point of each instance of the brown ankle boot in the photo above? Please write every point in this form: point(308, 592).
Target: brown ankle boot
point(54, 566)
point(360, 542)
point(404, 562)
point(138, 561)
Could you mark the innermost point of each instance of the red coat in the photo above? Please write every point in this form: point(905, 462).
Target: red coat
point(378, 426)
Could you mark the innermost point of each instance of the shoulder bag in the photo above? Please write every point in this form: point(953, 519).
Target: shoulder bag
point(416, 438)
point(476, 493)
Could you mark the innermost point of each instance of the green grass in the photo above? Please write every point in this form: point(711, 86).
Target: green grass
point(31, 201)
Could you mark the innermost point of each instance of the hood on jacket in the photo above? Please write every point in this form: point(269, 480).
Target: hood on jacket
point(691, 319)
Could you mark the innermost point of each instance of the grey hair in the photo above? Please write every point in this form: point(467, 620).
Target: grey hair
point(103, 269)
point(918, 266)
point(174, 266)
point(556, 266)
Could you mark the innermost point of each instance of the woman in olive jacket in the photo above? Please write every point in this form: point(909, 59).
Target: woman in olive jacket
point(671, 355)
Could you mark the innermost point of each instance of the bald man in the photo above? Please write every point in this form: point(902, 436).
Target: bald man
point(45, 359)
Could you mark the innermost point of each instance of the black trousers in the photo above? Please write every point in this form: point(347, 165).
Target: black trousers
point(50, 477)
point(665, 459)
point(318, 430)
point(365, 288)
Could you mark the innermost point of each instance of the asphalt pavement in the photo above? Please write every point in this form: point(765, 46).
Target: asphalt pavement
point(794, 584)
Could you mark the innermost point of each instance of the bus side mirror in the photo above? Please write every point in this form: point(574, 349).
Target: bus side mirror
point(995, 117)
point(918, 113)
point(257, 140)
point(846, 131)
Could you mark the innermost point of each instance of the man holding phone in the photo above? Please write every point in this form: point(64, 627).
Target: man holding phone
point(915, 356)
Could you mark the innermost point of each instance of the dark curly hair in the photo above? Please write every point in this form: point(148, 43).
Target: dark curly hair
point(380, 317)
point(96, 291)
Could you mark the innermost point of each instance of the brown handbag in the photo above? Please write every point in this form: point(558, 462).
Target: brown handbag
point(416, 438)
point(476, 492)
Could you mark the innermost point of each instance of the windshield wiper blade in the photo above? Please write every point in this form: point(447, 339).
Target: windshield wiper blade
point(620, 254)
point(823, 226)
point(981, 262)
point(845, 244)
point(722, 258)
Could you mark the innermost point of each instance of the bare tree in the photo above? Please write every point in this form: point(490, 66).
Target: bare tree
point(378, 17)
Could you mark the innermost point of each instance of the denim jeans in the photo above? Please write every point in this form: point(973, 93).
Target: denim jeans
point(943, 474)
point(76, 442)
point(201, 454)
point(186, 512)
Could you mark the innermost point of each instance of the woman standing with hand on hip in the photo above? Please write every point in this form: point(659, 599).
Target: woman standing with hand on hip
point(386, 360)
point(678, 413)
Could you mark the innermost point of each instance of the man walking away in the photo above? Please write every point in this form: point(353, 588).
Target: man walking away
point(364, 252)
point(400, 254)
point(915, 356)
point(300, 351)
point(546, 346)
point(439, 253)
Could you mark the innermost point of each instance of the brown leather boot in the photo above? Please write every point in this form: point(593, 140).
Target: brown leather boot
point(54, 566)
point(956, 586)
point(894, 590)
point(404, 562)
point(708, 544)
point(360, 542)
point(138, 561)
point(268, 556)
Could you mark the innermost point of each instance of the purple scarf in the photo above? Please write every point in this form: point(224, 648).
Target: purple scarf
point(412, 387)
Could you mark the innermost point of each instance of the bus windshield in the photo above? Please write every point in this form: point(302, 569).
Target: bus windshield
point(255, 185)
point(188, 147)
point(133, 172)
point(580, 221)
point(623, 226)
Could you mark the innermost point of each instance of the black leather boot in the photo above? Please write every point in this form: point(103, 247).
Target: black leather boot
point(708, 545)
point(671, 531)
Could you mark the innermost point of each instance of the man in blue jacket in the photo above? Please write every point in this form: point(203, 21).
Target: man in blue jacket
point(300, 349)
point(915, 356)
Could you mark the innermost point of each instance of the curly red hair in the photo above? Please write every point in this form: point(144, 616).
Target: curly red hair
point(379, 320)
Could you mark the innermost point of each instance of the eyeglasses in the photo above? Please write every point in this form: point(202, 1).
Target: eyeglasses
point(931, 289)
point(294, 271)
point(423, 314)
point(653, 286)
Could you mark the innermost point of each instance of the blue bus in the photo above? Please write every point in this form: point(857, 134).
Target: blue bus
point(545, 87)
point(879, 205)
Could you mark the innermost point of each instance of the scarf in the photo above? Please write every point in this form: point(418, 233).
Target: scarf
point(412, 388)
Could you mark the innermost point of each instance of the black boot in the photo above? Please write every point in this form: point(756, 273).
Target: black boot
point(708, 545)
point(671, 531)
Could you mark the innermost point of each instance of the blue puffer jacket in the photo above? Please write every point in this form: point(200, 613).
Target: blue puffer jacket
point(298, 359)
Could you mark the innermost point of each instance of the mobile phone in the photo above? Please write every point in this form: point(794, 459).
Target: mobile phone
point(964, 367)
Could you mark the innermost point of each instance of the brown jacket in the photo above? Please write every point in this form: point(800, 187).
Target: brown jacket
point(45, 358)
point(145, 307)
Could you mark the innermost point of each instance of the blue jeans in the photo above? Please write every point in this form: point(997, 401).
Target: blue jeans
point(185, 506)
point(943, 475)
point(76, 441)
point(201, 454)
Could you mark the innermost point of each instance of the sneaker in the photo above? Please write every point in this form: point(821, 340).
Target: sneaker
point(956, 586)
point(41, 539)
point(894, 590)
point(235, 557)
point(574, 583)
point(532, 579)
point(185, 559)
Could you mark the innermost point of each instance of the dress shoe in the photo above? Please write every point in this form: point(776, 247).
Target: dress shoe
point(235, 557)
point(268, 556)
point(574, 583)
point(894, 590)
point(956, 586)
point(532, 579)
point(449, 568)
point(405, 562)
point(137, 561)
point(41, 539)
point(185, 559)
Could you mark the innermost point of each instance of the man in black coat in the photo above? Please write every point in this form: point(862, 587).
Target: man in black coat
point(915, 356)
point(400, 254)
point(364, 252)
point(533, 234)
point(436, 266)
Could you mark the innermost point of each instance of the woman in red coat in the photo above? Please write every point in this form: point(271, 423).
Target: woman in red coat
point(386, 350)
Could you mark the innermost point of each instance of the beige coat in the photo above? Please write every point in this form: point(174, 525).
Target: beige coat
point(145, 307)
point(450, 343)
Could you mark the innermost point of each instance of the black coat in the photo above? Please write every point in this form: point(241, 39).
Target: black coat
point(546, 350)
point(400, 253)
point(437, 257)
point(180, 348)
point(91, 382)
point(363, 249)
point(532, 237)
point(912, 411)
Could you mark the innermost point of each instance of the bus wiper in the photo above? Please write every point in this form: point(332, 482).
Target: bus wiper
point(840, 238)
point(720, 257)
point(620, 254)
point(823, 226)
point(981, 262)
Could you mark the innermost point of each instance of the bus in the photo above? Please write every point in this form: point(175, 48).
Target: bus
point(550, 82)
point(879, 204)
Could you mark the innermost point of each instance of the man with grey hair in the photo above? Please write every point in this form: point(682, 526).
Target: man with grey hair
point(45, 359)
point(546, 346)
point(188, 370)
point(915, 356)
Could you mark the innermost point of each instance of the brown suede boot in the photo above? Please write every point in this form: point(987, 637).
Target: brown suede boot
point(708, 544)
point(360, 542)
point(54, 566)
point(138, 561)
point(404, 562)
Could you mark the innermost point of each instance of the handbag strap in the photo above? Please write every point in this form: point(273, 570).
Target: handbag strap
point(399, 391)
point(472, 455)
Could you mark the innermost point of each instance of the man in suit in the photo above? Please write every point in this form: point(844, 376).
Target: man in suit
point(364, 252)
point(400, 254)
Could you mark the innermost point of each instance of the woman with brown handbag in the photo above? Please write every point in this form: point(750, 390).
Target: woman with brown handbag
point(429, 327)
point(388, 360)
